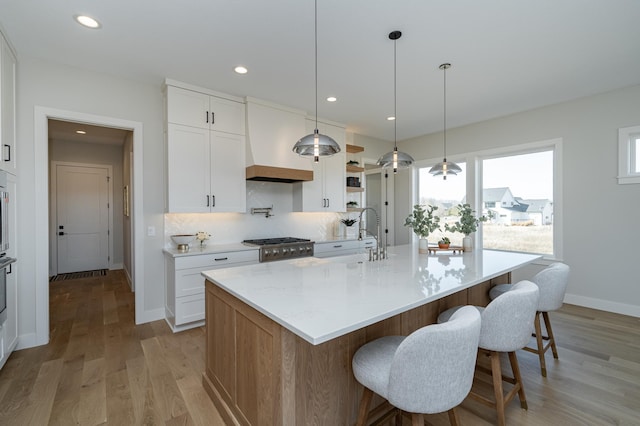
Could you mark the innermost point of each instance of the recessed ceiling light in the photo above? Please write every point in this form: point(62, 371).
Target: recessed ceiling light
point(87, 21)
point(391, 118)
point(332, 99)
point(241, 69)
point(81, 132)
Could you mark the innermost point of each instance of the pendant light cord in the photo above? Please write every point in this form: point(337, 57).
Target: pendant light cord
point(445, 113)
point(395, 95)
point(315, 35)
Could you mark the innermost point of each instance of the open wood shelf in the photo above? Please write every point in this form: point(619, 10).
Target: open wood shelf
point(354, 169)
point(354, 149)
point(355, 189)
point(354, 209)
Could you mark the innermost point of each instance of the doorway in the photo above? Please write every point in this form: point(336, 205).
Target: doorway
point(379, 190)
point(42, 227)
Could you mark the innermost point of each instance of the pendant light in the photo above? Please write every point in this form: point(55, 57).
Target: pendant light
point(315, 144)
point(395, 159)
point(445, 167)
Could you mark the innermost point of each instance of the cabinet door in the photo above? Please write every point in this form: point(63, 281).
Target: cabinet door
point(188, 177)
point(334, 172)
point(7, 107)
point(228, 178)
point(227, 116)
point(188, 107)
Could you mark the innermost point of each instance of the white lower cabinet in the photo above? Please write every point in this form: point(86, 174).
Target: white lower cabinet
point(184, 305)
point(343, 248)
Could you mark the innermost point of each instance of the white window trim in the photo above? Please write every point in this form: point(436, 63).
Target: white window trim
point(625, 137)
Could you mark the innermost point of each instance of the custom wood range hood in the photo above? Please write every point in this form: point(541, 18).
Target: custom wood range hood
point(272, 130)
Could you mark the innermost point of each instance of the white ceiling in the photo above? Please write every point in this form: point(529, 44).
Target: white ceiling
point(67, 131)
point(507, 55)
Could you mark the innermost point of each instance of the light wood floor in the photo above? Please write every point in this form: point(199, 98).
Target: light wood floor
point(100, 368)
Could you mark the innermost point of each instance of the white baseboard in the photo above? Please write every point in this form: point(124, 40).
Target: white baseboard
point(29, 340)
point(603, 305)
point(115, 266)
point(149, 316)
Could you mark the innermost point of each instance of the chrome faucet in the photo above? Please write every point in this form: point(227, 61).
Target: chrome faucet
point(380, 253)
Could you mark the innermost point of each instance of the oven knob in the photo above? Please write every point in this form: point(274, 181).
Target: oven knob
point(285, 251)
point(301, 250)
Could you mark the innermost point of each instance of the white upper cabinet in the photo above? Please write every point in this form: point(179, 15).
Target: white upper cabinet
point(195, 109)
point(7, 107)
point(205, 163)
point(206, 171)
point(326, 193)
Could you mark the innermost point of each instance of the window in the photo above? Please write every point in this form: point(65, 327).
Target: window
point(445, 194)
point(518, 199)
point(629, 155)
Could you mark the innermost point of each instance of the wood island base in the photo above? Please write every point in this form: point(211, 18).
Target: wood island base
point(260, 373)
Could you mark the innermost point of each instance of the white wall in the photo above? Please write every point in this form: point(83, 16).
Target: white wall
point(600, 229)
point(49, 85)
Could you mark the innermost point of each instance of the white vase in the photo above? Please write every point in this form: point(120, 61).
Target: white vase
point(467, 243)
point(423, 246)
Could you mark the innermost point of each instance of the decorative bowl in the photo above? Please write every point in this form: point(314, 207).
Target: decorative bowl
point(183, 240)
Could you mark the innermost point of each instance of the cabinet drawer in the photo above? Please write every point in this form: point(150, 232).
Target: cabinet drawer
point(189, 309)
point(217, 260)
point(336, 246)
point(368, 243)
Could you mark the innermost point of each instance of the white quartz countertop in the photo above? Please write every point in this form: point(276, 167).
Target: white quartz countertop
point(196, 250)
point(321, 299)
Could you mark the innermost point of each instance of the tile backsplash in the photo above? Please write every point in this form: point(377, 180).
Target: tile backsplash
point(227, 228)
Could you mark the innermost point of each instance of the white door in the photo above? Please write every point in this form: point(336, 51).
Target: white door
point(82, 199)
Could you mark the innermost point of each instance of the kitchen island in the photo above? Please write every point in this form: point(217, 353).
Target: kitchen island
point(281, 335)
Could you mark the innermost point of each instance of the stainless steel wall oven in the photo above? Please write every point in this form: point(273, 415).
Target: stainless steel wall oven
point(5, 261)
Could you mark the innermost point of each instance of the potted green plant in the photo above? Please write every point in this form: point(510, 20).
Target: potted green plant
point(466, 224)
point(444, 242)
point(423, 222)
point(352, 204)
point(349, 230)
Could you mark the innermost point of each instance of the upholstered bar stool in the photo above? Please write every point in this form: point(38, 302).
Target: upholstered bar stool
point(429, 371)
point(552, 283)
point(506, 327)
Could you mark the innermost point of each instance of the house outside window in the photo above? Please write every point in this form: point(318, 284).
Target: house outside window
point(518, 199)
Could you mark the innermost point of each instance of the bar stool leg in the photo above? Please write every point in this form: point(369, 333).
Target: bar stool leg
point(552, 340)
point(453, 417)
point(363, 411)
point(496, 373)
point(540, 343)
point(513, 359)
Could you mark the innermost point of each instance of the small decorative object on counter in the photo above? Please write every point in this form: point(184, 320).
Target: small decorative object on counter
point(349, 230)
point(202, 237)
point(467, 224)
point(444, 242)
point(423, 222)
point(182, 241)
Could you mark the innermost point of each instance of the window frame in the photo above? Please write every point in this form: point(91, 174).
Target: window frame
point(474, 184)
point(627, 155)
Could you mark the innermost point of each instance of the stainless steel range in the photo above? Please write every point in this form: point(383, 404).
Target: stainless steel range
point(281, 248)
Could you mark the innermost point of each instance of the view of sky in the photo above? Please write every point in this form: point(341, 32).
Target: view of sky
point(529, 176)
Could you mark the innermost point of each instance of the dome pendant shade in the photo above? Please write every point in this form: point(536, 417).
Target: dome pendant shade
point(402, 160)
point(315, 145)
point(445, 167)
point(395, 159)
